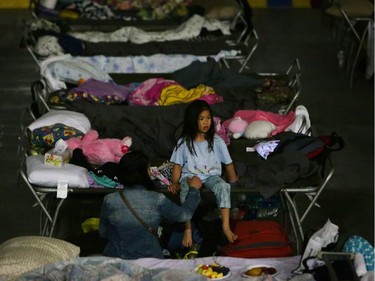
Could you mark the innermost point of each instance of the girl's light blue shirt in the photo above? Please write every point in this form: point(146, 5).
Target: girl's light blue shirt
point(205, 163)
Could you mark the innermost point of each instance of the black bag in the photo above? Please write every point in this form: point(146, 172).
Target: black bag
point(337, 267)
point(290, 142)
point(315, 148)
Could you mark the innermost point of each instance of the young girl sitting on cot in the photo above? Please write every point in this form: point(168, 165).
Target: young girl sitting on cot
point(200, 152)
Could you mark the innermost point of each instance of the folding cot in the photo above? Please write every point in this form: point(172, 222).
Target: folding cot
point(236, 97)
point(298, 212)
point(238, 45)
point(46, 195)
point(361, 25)
point(91, 15)
point(46, 91)
point(154, 129)
point(151, 52)
point(247, 46)
point(354, 29)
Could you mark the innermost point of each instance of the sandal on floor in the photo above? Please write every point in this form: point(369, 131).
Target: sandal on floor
point(191, 255)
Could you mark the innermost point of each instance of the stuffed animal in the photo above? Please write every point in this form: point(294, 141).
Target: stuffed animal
point(100, 151)
point(237, 127)
point(259, 129)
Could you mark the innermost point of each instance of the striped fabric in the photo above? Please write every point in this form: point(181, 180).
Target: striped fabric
point(280, 3)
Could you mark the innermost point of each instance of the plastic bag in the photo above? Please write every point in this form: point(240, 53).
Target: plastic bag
point(323, 237)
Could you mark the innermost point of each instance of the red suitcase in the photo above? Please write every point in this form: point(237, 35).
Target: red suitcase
point(259, 239)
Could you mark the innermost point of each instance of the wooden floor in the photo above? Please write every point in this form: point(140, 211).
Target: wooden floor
point(285, 34)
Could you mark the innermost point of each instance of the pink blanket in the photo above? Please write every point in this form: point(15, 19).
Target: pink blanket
point(280, 121)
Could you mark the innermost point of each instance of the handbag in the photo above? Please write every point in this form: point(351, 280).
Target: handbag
point(146, 225)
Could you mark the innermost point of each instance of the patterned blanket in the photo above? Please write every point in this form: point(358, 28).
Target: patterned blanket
point(103, 268)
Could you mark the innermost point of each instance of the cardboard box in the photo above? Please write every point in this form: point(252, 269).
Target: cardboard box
point(54, 159)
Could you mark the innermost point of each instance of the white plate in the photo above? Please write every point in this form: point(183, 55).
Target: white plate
point(258, 265)
point(222, 278)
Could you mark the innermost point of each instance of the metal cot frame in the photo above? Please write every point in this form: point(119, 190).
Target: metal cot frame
point(50, 205)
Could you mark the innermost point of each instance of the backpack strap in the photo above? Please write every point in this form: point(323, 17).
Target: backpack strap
point(333, 142)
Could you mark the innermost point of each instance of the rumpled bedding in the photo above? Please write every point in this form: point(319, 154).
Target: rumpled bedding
point(187, 30)
point(175, 94)
point(280, 121)
point(148, 93)
point(157, 63)
point(96, 11)
point(195, 47)
point(284, 266)
point(92, 10)
point(104, 268)
point(60, 69)
point(51, 40)
point(271, 175)
point(152, 92)
point(99, 91)
point(55, 45)
point(155, 129)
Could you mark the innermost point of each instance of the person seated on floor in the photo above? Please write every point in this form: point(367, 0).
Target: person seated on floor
point(126, 237)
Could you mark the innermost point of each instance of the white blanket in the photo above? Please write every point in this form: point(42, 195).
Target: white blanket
point(104, 268)
point(187, 30)
point(284, 266)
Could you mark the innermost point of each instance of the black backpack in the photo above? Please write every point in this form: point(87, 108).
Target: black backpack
point(316, 148)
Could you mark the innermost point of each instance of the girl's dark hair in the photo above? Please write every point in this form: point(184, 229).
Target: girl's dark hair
point(190, 125)
point(133, 169)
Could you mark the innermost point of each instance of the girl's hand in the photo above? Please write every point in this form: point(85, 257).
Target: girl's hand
point(234, 182)
point(174, 188)
point(237, 178)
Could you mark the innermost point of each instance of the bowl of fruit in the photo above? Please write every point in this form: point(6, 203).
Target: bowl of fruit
point(213, 271)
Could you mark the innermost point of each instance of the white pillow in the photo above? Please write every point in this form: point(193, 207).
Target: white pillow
point(43, 175)
point(69, 118)
point(259, 129)
point(22, 254)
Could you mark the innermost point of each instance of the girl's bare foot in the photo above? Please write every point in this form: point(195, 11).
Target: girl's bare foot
point(187, 240)
point(231, 237)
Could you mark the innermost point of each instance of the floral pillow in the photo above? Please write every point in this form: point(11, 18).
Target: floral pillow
point(99, 91)
point(47, 136)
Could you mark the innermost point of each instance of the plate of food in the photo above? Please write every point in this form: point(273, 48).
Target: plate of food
point(213, 271)
point(259, 270)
